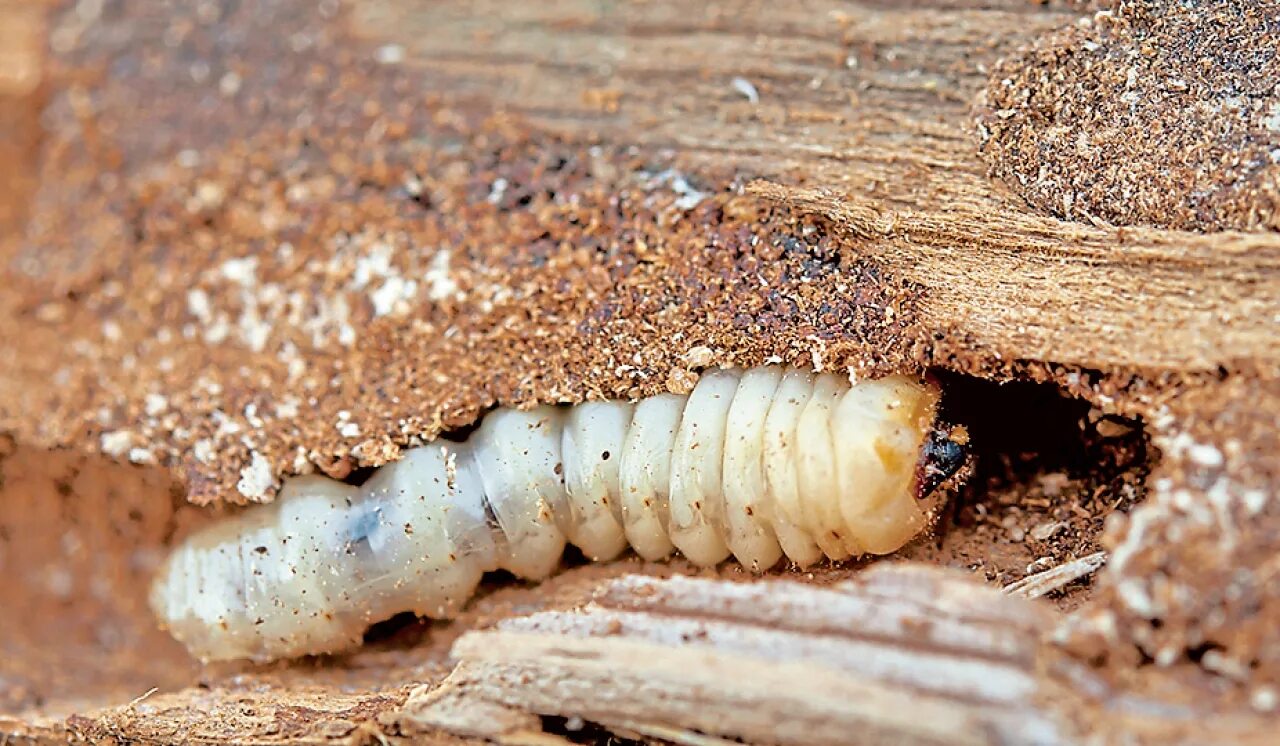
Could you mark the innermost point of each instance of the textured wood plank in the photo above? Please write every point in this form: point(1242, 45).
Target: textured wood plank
point(905, 654)
point(910, 656)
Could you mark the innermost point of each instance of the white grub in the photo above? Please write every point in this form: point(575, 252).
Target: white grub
point(745, 464)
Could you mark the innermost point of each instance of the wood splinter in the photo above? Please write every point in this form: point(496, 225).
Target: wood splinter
point(905, 654)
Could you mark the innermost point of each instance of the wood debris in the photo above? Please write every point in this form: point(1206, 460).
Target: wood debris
point(907, 654)
point(1041, 583)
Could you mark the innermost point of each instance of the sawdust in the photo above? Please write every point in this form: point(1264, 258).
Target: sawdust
point(320, 296)
point(1152, 112)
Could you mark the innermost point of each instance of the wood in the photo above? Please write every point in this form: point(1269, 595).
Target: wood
point(905, 654)
point(22, 36)
point(872, 103)
point(1044, 583)
point(769, 662)
point(855, 116)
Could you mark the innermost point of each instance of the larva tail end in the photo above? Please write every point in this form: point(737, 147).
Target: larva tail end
point(945, 453)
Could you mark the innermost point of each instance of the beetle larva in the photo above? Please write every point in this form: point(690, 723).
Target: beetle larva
point(758, 464)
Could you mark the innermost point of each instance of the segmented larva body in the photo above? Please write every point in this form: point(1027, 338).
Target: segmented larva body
point(760, 463)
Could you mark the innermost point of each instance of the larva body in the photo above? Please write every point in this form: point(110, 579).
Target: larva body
point(758, 464)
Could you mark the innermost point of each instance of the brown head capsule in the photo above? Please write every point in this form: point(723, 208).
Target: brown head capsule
point(944, 453)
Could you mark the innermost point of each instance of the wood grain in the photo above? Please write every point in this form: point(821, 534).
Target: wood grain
point(22, 51)
point(864, 117)
point(905, 654)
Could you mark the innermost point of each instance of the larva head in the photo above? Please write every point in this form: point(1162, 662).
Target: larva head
point(880, 427)
point(943, 454)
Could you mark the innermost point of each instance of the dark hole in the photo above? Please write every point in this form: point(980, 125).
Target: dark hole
point(360, 475)
point(1028, 421)
point(576, 730)
point(402, 629)
point(1045, 471)
point(1022, 428)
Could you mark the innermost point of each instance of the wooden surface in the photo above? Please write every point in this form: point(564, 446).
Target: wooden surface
point(904, 655)
point(864, 116)
point(22, 35)
point(855, 114)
